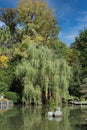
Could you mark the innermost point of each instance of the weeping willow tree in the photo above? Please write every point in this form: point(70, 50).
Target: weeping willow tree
point(45, 78)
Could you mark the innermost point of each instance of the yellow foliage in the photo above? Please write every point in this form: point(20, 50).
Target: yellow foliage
point(20, 52)
point(4, 61)
point(38, 39)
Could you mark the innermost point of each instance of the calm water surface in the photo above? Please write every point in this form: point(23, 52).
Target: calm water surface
point(35, 118)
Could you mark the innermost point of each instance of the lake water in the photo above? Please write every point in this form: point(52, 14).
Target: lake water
point(35, 118)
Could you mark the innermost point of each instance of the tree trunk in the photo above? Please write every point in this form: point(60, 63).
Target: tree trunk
point(43, 97)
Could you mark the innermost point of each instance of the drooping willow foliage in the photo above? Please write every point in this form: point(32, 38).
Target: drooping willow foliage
point(44, 77)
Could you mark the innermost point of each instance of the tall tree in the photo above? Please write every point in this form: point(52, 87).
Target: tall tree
point(38, 20)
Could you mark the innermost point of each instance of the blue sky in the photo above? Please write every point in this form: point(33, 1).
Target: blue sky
point(71, 15)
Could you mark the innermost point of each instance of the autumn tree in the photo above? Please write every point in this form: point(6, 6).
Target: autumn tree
point(4, 61)
point(37, 20)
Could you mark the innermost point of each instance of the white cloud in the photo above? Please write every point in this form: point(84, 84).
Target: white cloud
point(68, 37)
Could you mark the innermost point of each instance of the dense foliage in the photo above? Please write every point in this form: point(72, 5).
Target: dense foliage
point(43, 75)
point(35, 66)
point(80, 64)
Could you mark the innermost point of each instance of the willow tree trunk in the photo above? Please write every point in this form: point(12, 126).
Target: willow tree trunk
point(44, 97)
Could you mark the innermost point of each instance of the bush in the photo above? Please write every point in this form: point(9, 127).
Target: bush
point(12, 96)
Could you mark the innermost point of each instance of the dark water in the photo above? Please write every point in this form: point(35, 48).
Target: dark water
point(35, 118)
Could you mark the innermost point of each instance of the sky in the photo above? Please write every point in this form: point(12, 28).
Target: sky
point(71, 16)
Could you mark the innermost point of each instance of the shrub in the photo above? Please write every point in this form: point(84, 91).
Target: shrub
point(12, 96)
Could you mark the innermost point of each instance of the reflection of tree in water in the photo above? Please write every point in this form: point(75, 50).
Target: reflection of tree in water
point(81, 127)
point(55, 123)
point(33, 120)
point(11, 120)
point(32, 117)
point(77, 117)
point(66, 125)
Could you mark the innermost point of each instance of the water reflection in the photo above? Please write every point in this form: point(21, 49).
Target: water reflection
point(11, 119)
point(78, 116)
point(58, 119)
point(32, 117)
point(55, 118)
point(70, 120)
point(35, 118)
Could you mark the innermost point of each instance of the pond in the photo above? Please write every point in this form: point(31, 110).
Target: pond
point(35, 118)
